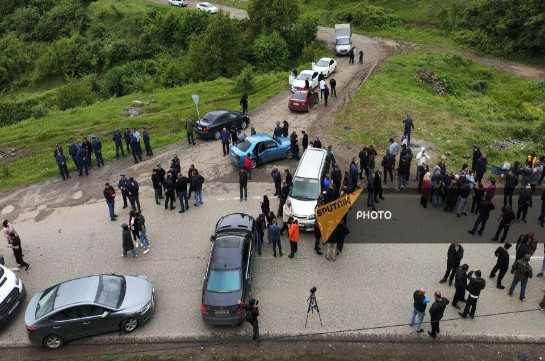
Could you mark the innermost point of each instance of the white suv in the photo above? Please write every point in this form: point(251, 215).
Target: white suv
point(12, 294)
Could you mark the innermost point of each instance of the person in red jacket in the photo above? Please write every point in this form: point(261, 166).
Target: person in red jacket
point(293, 233)
point(248, 166)
point(426, 190)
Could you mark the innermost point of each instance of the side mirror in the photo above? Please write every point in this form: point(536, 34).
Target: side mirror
point(106, 314)
point(212, 238)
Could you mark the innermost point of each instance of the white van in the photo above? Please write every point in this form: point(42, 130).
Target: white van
point(12, 294)
point(307, 185)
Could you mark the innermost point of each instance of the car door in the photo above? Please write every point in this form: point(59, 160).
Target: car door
point(93, 321)
point(314, 79)
point(267, 151)
point(310, 99)
point(332, 66)
point(65, 323)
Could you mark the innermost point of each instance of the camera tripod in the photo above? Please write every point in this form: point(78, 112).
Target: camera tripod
point(313, 305)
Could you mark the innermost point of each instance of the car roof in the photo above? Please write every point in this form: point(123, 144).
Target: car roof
point(260, 137)
point(216, 113)
point(235, 221)
point(326, 59)
point(227, 253)
point(79, 290)
point(309, 72)
point(310, 163)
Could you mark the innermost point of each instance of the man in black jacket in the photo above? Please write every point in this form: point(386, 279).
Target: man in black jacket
point(525, 201)
point(523, 272)
point(195, 187)
point(123, 186)
point(243, 183)
point(451, 195)
point(436, 313)
point(484, 212)
point(252, 314)
point(502, 264)
point(454, 257)
point(475, 286)
point(420, 302)
point(511, 182)
point(168, 187)
point(363, 162)
point(388, 163)
point(181, 190)
point(277, 178)
point(157, 184)
point(304, 142)
point(506, 219)
point(133, 190)
point(480, 168)
point(284, 192)
point(460, 283)
point(476, 157)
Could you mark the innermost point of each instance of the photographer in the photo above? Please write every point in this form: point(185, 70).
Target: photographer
point(252, 313)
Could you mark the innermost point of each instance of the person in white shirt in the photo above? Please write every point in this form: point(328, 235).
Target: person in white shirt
point(322, 88)
point(394, 147)
point(421, 157)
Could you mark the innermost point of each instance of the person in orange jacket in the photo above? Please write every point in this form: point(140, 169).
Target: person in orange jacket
point(293, 235)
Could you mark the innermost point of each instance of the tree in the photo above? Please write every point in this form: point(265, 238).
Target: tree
point(267, 16)
point(215, 53)
point(303, 34)
point(271, 52)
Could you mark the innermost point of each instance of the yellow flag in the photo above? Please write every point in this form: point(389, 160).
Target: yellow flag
point(330, 214)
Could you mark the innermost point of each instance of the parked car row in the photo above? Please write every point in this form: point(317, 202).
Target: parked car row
point(204, 6)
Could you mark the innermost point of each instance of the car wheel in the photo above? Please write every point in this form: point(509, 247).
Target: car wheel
point(254, 163)
point(129, 325)
point(289, 154)
point(243, 125)
point(308, 108)
point(53, 342)
point(217, 134)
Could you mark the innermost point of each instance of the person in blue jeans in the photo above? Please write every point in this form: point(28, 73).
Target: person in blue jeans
point(195, 186)
point(274, 231)
point(141, 226)
point(523, 272)
point(419, 308)
point(484, 212)
point(181, 189)
point(109, 194)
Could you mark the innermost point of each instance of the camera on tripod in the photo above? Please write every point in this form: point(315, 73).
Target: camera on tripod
point(313, 290)
point(313, 305)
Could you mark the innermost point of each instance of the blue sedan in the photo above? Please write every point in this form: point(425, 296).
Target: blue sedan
point(262, 148)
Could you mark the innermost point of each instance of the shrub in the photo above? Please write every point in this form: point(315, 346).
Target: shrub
point(365, 16)
point(65, 18)
point(132, 77)
point(76, 93)
point(303, 34)
point(271, 52)
point(172, 74)
point(245, 80)
point(13, 110)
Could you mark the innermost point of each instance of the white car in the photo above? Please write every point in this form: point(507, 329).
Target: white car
point(12, 294)
point(325, 66)
point(180, 3)
point(299, 81)
point(207, 8)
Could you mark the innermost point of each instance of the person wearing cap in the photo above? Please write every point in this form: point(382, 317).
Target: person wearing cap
point(57, 149)
point(127, 136)
point(133, 190)
point(97, 149)
point(123, 186)
point(524, 201)
point(149, 151)
point(127, 243)
point(61, 162)
point(73, 151)
point(86, 144)
point(136, 148)
point(109, 195)
point(82, 161)
point(117, 138)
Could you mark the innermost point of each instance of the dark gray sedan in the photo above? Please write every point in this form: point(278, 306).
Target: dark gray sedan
point(88, 306)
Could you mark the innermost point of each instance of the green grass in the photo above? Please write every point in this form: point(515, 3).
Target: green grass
point(509, 108)
point(164, 118)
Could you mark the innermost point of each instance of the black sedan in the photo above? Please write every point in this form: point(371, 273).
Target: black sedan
point(212, 123)
point(228, 274)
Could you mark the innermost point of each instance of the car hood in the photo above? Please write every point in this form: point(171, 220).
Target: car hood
point(302, 208)
point(8, 284)
point(30, 313)
point(138, 292)
point(319, 68)
point(285, 140)
point(216, 299)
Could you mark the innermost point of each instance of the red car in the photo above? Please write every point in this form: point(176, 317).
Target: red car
point(302, 100)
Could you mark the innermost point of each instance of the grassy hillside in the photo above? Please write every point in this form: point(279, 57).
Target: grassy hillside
point(482, 105)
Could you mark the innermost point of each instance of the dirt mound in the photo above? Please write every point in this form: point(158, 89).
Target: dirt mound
point(428, 77)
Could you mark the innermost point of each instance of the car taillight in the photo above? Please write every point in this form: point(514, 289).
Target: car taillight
point(203, 309)
point(240, 310)
point(206, 129)
point(31, 329)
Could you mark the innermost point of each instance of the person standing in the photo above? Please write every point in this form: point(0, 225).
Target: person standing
point(168, 187)
point(436, 313)
point(294, 142)
point(18, 251)
point(141, 227)
point(333, 86)
point(524, 201)
point(133, 190)
point(463, 195)
point(502, 264)
point(285, 128)
point(322, 85)
point(109, 195)
point(136, 149)
point(195, 186)
point(134, 228)
point(244, 103)
point(252, 314)
point(287, 214)
point(476, 156)
point(274, 233)
point(474, 288)
point(317, 236)
point(157, 184)
point(181, 190)
point(304, 142)
point(189, 128)
point(86, 144)
point(97, 149)
point(407, 128)
point(277, 179)
point(341, 233)
point(352, 55)
point(420, 301)
point(542, 213)
point(127, 244)
point(293, 235)
point(326, 94)
point(525, 245)
point(260, 229)
point(523, 272)
point(388, 162)
point(421, 158)
point(243, 183)
point(7, 229)
point(511, 183)
point(506, 219)
point(455, 254)
point(61, 162)
point(354, 173)
point(284, 191)
point(363, 162)
point(484, 212)
point(481, 166)
point(147, 145)
point(73, 152)
point(127, 135)
point(225, 137)
point(460, 284)
point(82, 161)
point(248, 165)
point(277, 130)
point(123, 186)
point(118, 140)
point(371, 191)
point(361, 57)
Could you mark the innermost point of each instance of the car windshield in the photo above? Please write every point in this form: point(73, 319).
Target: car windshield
point(322, 62)
point(111, 290)
point(303, 77)
point(305, 188)
point(244, 146)
point(47, 301)
point(343, 41)
point(299, 96)
point(224, 281)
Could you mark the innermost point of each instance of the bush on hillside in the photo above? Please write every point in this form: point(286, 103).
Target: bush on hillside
point(65, 18)
point(13, 110)
point(244, 83)
point(365, 16)
point(76, 93)
point(271, 52)
point(15, 59)
point(136, 76)
point(303, 34)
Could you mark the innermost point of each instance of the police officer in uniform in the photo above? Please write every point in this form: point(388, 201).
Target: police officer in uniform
point(73, 151)
point(82, 160)
point(97, 149)
point(117, 138)
point(145, 135)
